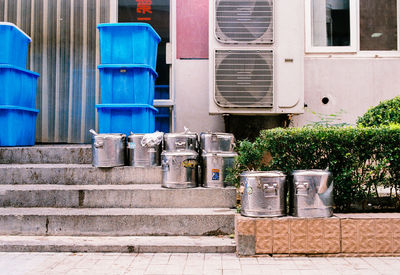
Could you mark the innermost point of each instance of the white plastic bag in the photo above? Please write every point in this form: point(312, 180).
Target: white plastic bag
point(152, 140)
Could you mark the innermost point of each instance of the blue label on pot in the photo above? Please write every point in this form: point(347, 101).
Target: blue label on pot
point(215, 174)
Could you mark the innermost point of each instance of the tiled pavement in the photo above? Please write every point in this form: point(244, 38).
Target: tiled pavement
point(209, 264)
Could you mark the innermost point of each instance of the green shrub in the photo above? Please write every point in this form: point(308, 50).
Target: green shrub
point(360, 159)
point(386, 113)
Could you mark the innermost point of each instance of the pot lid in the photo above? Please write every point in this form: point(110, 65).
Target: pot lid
point(265, 174)
point(220, 154)
point(110, 136)
point(180, 135)
point(185, 134)
point(179, 153)
point(311, 172)
point(219, 134)
point(135, 135)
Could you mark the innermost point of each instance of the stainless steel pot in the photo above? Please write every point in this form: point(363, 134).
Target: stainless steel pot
point(312, 194)
point(181, 141)
point(215, 167)
point(263, 194)
point(179, 169)
point(217, 142)
point(108, 150)
point(140, 155)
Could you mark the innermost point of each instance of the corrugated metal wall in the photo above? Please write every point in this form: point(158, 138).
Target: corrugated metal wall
point(65, 51)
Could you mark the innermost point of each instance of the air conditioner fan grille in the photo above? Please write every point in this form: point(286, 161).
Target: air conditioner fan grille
point(244, 21)
point(244, 78)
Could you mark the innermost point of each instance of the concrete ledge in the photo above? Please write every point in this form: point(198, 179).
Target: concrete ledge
point(117, 221)
point(148, 244)
point(114, 196)
point(76, 174)
point(341, 235)
point(69, 154)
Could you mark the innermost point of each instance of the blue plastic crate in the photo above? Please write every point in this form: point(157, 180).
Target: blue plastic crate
point(162, 119)
point(18, 125)
point(13, 45)
point(124, 118)
point(17, 86)
point(128, 43)
point(132, 84)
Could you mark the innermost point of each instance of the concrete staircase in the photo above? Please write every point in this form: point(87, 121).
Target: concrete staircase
point(52, 199)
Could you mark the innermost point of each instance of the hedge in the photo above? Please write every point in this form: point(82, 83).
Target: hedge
point(385, 113)
point(360, 159)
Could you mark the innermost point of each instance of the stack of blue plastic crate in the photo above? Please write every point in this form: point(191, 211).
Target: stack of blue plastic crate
point(17, 89)
point(128, 53)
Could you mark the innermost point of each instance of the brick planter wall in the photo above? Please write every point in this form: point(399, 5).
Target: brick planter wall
point(341, 235)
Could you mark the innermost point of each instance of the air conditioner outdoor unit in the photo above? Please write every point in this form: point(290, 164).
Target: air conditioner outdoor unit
point(256, 57)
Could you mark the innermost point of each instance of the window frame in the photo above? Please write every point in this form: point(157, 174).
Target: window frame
point(354, 40)
point(354, 36)
point(377, 53)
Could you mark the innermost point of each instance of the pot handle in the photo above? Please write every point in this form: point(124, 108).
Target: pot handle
point(93, 132)
point(98, 144)
point(270, 189)
point(180, 144)
point(301, 188)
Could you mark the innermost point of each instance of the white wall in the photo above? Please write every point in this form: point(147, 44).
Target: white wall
point(351, 84)
point(191, 97)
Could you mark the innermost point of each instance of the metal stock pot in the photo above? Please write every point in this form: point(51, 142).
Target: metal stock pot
point(214, 168)
point(217, 142)
point(263, 194)
point(140, 155)
point(108, 150)
point(181, 141)
point(179, 169)
point(312, 194)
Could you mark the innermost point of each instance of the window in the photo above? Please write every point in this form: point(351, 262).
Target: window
point(351, 25)
point(331, 25)
point(378, 25)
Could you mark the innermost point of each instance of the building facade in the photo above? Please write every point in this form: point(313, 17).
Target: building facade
point(350, 59)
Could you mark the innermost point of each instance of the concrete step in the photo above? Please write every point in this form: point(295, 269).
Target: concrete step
point(145, 244)
point(76, 174)
point(117, 221)
point(114, 196)
point(54, 153)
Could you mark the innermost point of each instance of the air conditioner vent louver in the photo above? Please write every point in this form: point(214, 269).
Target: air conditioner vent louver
point(244, 78)
point(244, 21)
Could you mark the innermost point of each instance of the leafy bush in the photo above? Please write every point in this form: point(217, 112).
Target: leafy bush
point(386, 113)
point(360, 159)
